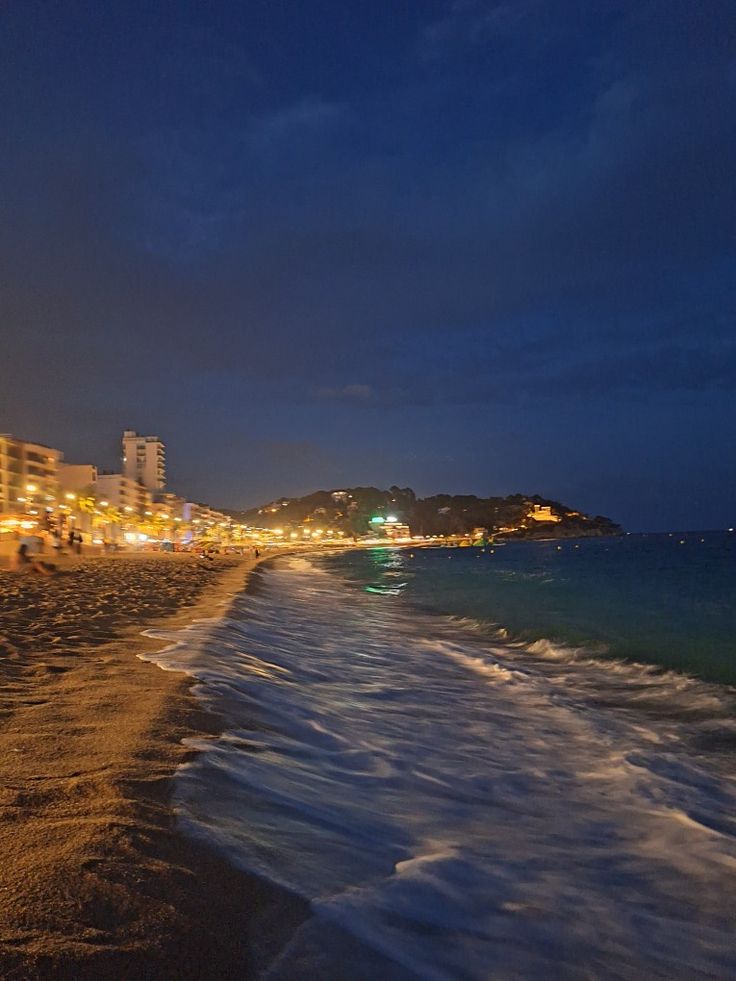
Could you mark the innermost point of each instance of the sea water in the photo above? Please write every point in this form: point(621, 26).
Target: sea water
point(481, 764)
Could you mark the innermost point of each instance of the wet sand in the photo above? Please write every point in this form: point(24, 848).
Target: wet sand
point(94, 881)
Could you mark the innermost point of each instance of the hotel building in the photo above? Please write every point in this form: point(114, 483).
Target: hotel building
point(121, 492)
point(77, 477)
point(29, 476)
point(144, 460)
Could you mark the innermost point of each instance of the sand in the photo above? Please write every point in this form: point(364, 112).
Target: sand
point(95, 882)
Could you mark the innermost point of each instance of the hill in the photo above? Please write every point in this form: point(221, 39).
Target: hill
point(349, 510)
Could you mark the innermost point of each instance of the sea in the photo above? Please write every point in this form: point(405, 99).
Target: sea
point(489, 762)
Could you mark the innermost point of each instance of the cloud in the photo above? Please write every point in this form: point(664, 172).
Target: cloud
point(306, 118)
point(525, 26)
point(544, 213)
point(348, 393)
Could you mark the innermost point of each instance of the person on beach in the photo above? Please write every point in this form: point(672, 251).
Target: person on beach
point(24, 561)
point(206, 557)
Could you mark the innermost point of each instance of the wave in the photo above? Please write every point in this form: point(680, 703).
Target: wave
point(609, 680)
point(456, 804)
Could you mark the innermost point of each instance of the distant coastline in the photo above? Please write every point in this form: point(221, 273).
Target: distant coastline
point(397, 513)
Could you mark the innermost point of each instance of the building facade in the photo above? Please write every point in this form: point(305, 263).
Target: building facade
point(29, 476)
point(543, 513)
point(144, 460)
point(119, 491)
point(76, 477)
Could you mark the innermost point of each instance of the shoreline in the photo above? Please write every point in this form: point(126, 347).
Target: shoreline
point(96, 881)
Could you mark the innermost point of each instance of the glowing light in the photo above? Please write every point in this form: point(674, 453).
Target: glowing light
point(70, 497)
point(378, 520)
point(31, 488)
point(392, 519)
point(103, 504)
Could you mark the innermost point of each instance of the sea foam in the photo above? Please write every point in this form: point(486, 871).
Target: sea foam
point(455, 806)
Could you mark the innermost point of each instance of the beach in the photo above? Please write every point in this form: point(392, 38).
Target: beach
point(95, 880)
point(381, 777)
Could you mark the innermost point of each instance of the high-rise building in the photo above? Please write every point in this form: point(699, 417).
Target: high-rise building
point(144, 460)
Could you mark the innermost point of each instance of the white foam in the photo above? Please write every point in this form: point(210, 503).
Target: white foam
point(466, 808)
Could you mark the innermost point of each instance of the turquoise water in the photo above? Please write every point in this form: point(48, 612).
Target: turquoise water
point(664, 599)
point(454, 803)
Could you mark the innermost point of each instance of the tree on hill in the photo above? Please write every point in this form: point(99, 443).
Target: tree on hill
point(350, 509)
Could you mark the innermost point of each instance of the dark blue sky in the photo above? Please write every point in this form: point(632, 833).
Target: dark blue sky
point(465, 246)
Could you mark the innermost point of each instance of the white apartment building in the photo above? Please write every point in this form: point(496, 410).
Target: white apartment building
point(144, 460)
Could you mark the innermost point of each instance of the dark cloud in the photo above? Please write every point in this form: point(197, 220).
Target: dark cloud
point(530, 201)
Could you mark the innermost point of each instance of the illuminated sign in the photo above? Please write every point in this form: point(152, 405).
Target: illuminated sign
point(377, 520)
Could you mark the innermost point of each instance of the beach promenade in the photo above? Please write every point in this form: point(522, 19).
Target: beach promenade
point(95, 882)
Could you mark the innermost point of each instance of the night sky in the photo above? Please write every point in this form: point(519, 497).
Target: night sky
point(473, 246)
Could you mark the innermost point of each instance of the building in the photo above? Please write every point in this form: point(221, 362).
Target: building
point(119, 491)
point(29, 476)
point(144, 460)
point(543, 513)
point(205, 522)
point(77, 477)
point(396, 530)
